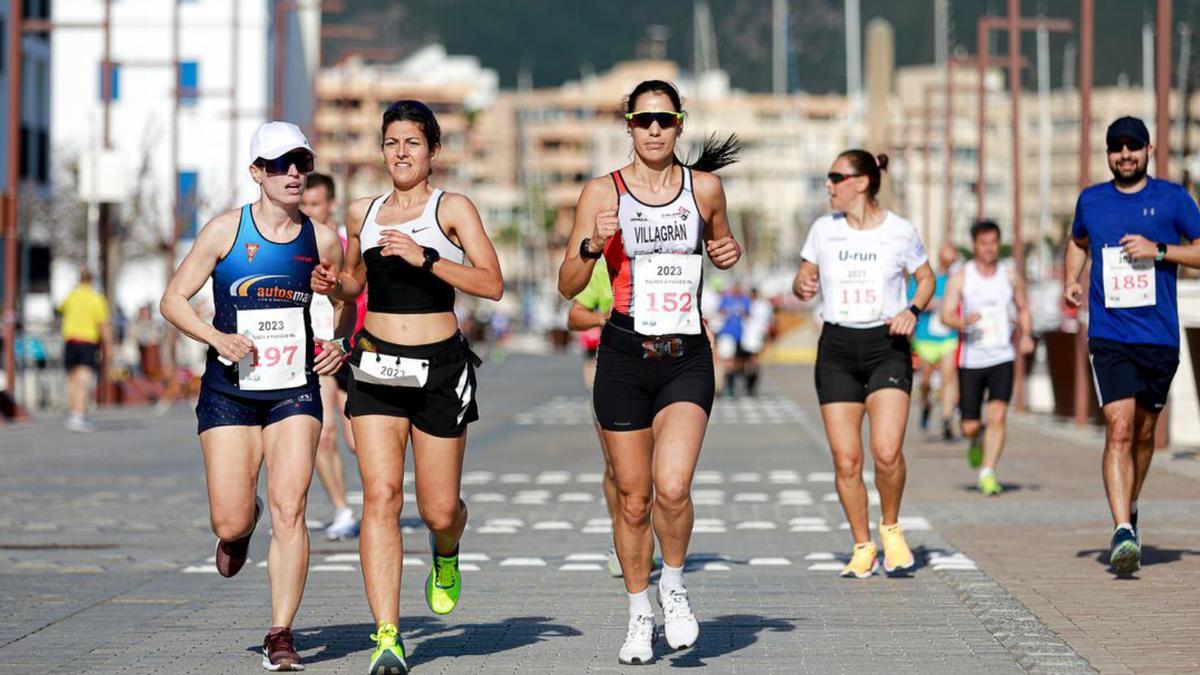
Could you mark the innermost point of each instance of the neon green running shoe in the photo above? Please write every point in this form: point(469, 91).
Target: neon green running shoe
point(975, 452)
point(989, 486)
point(388, 658)
point(444, 583)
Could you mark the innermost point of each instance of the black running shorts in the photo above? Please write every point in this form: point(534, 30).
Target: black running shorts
point(997, 380)
point(85, 354)
point(635, 379)
point(443, 407)
point(853, 363)
point(1141, 372)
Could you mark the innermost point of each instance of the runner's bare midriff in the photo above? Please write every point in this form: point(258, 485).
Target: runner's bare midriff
point(412, 329)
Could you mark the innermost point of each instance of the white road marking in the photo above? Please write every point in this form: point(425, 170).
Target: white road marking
point(522, 562)
point(747, 477)
point(587, 557)
point(589, 478)
point(332, 568)
point(553, 525)
point(553, 477)
point(577, 497)
point(716, 567)
point(826, 567)
point(580, 567)
point(756, 525)
point(752, 497)
point(341, 558)
point(758, 562)
point(487, 498)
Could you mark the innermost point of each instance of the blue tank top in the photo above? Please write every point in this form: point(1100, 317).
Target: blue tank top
point(261, 274)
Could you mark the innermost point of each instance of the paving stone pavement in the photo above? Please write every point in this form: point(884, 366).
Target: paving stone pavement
point(105, 554)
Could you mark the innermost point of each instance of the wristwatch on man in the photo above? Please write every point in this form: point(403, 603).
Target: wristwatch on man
point(1162, 253)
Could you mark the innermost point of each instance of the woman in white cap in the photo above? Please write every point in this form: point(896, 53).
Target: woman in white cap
point(259, 396)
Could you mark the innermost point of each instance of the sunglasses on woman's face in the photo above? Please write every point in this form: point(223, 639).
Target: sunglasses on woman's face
point(645, 118)
point(280, 165)
point(836, 177)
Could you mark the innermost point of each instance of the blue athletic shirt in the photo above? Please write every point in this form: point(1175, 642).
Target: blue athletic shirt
point(260, 274)
point(922, 332)
point(1162, 212)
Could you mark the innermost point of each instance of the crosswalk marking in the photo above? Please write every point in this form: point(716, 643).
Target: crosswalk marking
point(577, 411)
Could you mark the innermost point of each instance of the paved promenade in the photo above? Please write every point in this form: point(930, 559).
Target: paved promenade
point(105, 553)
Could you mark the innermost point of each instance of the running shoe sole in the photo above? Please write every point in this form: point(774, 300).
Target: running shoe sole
point(900, 570)
point(388, 664)
point(283, 666)
point(1127, 558)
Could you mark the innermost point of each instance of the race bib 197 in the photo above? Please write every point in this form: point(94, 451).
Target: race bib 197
point(857, 293)
point(665, 290)
point(1127, 282)
point(278, 357)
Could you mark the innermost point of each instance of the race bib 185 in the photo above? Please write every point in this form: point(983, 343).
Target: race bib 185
point(665, 294)
point(1127, 282)
point(278, 357)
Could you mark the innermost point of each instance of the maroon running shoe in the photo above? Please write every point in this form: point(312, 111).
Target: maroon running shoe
point(279, 651)
point(231, 555)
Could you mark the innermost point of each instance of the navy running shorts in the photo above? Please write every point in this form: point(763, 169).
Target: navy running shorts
point(220, 409)
point(1142, 372)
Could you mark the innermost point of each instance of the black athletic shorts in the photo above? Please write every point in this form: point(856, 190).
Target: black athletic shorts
point(215, 408)
point(997, 379)
point(639, 375)
point(443, 407)
point(343, 377)
point(1142, 372)
point(81, 354)
point(853, 363)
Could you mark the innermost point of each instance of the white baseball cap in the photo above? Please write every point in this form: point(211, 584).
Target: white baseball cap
point(276, 139)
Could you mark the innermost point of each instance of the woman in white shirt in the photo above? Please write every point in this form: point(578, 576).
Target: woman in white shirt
point(859, 258)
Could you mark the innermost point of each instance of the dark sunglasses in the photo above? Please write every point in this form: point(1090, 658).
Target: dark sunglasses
point(835, 177)
point(644, 119)
point(303, 161)
point(1118, 146)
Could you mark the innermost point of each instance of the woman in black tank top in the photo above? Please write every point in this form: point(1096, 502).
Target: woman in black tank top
point(413, 372)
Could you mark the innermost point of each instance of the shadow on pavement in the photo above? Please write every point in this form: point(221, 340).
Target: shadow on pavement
point(437, 639)
point(724, 635)
point(1006, 487)
point(1151, 555)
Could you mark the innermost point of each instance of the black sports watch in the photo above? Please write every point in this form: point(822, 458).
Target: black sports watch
point(585, 251)
point(431, 256)
point(1162, 253)
point(915, 311)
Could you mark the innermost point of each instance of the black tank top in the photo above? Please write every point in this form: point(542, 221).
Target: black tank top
point(397, 287)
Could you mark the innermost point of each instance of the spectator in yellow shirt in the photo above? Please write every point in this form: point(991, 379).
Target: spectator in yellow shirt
point(87, 336)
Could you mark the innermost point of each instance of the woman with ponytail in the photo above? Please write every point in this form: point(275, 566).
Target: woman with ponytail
point(859, 258)
point(650, 222)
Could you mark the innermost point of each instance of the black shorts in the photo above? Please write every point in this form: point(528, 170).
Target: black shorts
point(443, 407)
point(997, 379)
point(81, 354)
point(1142, 372)
point(217, 408)
point(632, 386)
point(343, 377)
point(853, 363)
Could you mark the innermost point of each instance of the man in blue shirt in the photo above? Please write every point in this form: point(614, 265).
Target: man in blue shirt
point(1132, 228)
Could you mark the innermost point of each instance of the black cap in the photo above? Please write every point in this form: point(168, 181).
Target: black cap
point(1129, 128)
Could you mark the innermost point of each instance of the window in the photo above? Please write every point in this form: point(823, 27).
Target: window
point(114, 89)
point(188, 182)
point(188, 81)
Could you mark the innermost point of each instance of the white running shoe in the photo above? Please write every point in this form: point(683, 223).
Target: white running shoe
point(79, 424)
point(614, 563)
point(344, 526)
point(679, 624)
point(638, 649)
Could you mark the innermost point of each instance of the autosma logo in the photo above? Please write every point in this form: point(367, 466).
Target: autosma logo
point(259, 287)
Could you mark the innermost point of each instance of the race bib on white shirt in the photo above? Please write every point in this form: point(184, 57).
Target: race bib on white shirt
point(391, 371)
point(993, 329)
point(321, 313)
point(1127, 282)
point(665, 286)
point(857, 295)
point(277, 359)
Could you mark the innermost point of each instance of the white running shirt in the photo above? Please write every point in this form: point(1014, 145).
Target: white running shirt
point(987, 342)
point(863, 273)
